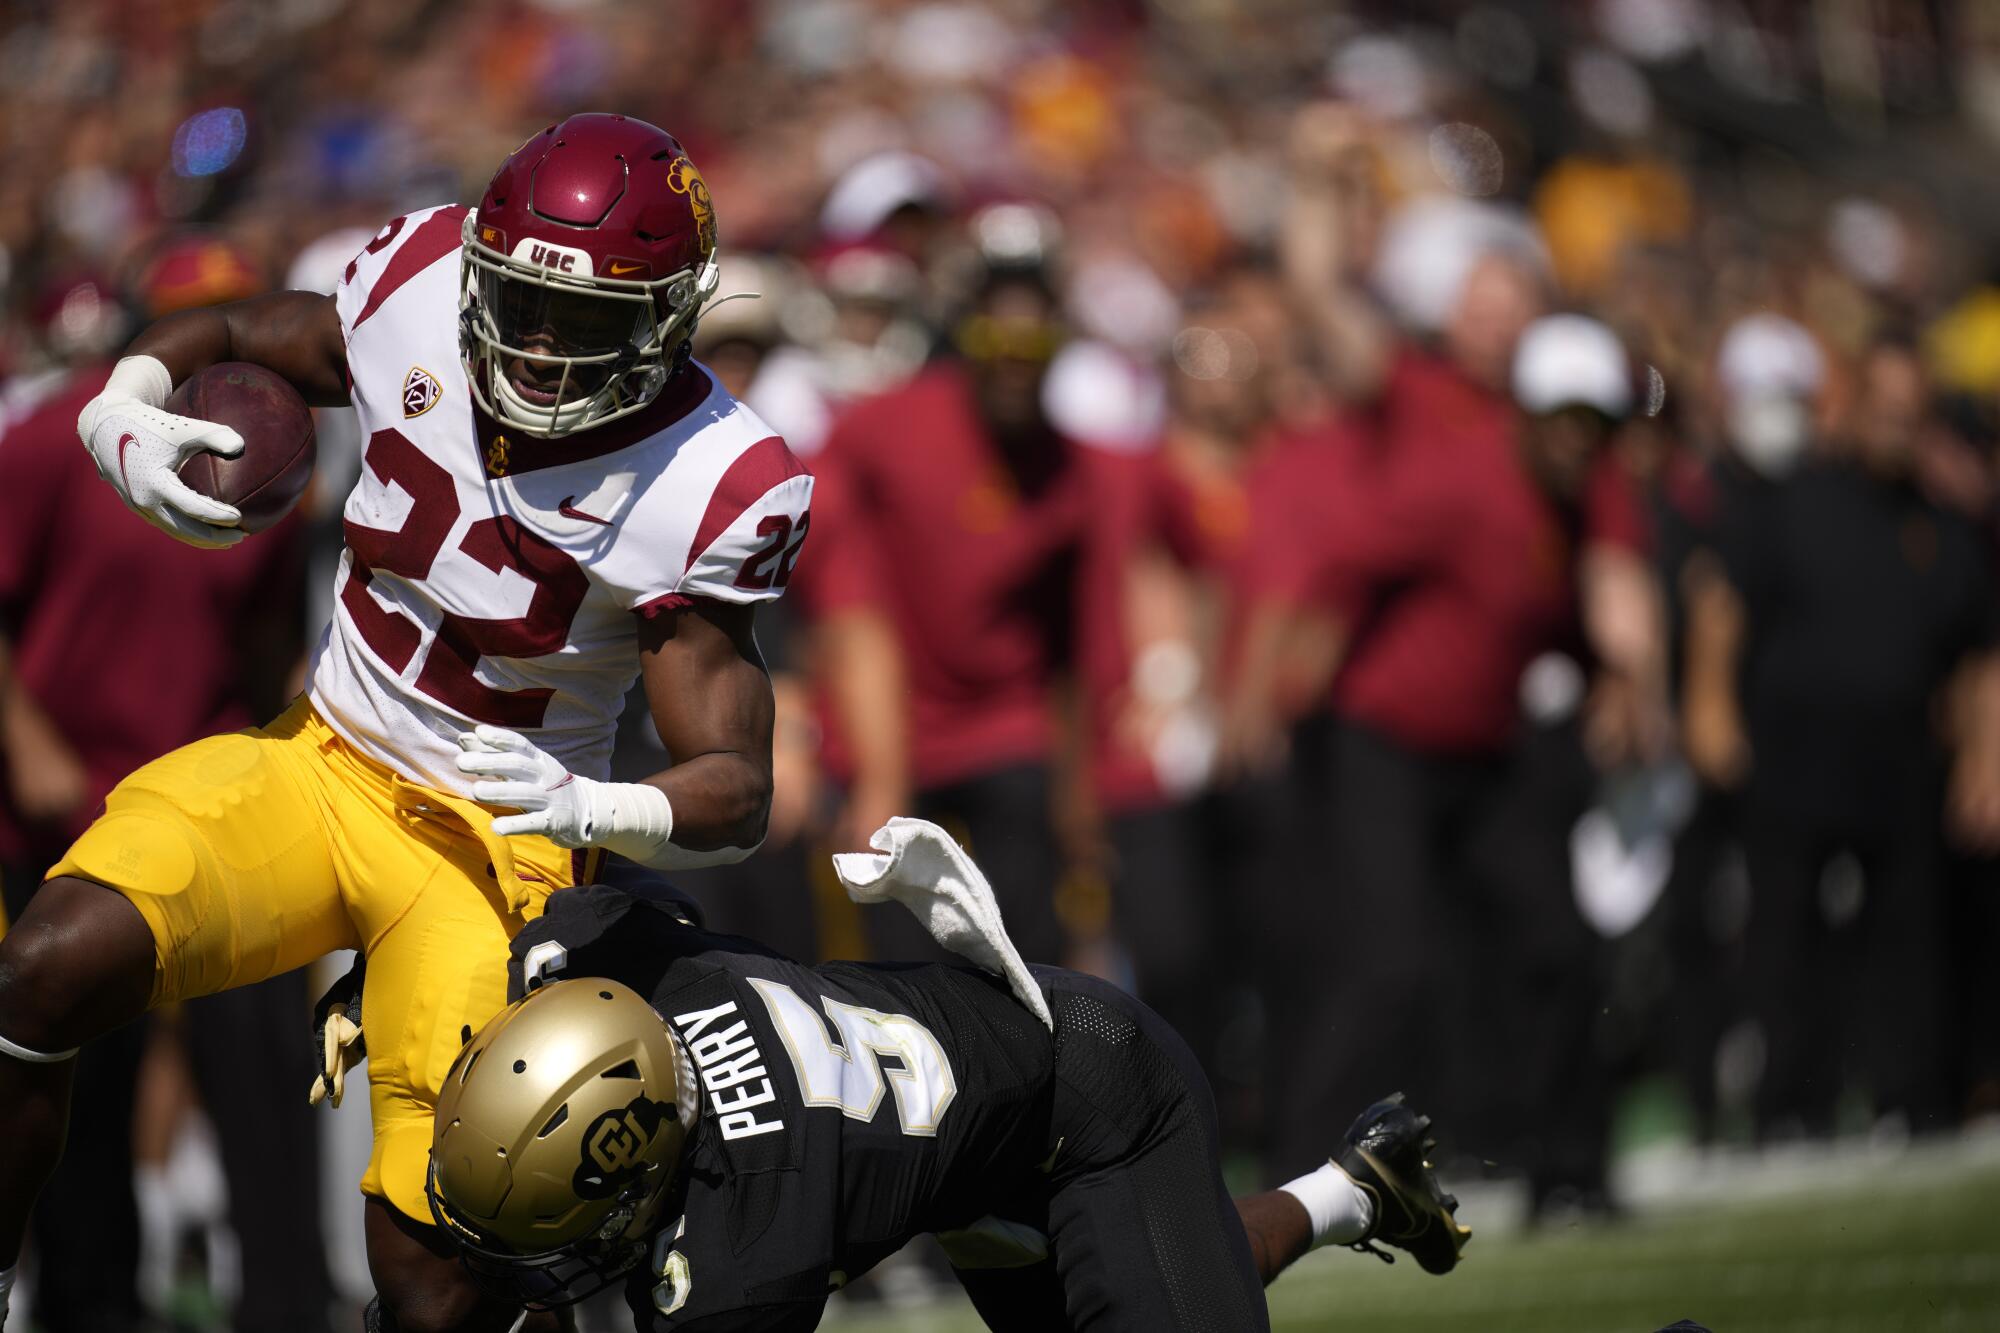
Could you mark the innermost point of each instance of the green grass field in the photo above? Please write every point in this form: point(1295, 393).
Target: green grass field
point(1899, 1243)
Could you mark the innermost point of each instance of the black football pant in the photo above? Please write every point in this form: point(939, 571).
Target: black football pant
point(253, 1067)
point(1541, 1079)
point(1434, 948)
point(1162, 912)
point(1972, 1001)
point(1002, 819)
point(1143, 1234)
point(1864, 999)
point(1703, 955)
point(1201, 897)
point(1180, 891)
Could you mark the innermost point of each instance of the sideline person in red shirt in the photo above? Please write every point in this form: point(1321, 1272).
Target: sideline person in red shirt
point(1478, 531)
point(1190, 844)
point(952, 518)
point(121, 644)
point(1438, 872)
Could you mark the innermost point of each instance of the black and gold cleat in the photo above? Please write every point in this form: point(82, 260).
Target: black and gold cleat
point(1386, 1154)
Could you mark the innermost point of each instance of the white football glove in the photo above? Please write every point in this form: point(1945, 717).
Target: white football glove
point(568, 810)
point(633, 819)
point(138, 447)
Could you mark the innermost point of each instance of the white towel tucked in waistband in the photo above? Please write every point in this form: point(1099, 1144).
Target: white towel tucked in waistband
point(922, 868)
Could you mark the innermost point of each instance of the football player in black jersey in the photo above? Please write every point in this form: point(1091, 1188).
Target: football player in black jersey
point(735, 1136)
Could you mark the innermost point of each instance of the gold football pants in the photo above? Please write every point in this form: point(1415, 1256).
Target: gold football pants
point(254, 853)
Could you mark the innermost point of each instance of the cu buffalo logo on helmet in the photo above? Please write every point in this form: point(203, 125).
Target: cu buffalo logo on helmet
point(683, 178)
point(615, 1144)
point(421, 391)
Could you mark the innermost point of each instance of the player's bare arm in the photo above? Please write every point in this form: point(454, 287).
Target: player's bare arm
point(710, 696)
point(139, 446)
point(1279, 1228)
point(711, 702)
point(296, 334)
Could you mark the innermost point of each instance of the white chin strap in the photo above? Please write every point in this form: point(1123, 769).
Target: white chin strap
point(35, 1057)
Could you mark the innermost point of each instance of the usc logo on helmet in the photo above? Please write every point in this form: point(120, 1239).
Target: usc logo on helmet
point(683, 178)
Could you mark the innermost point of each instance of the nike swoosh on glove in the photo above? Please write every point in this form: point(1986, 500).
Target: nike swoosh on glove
point(139, 447)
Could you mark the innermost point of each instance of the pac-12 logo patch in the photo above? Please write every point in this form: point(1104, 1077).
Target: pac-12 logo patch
point(421, 391)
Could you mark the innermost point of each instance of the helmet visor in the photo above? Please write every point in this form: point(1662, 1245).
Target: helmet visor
point(550, 352)
point(534, 320)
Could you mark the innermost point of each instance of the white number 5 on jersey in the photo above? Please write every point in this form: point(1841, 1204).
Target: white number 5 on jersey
point(848, 1073)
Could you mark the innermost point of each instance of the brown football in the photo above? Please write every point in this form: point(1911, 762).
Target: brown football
point(269, 476)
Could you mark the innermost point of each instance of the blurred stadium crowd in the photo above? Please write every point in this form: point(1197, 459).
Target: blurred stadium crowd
point(1396, 681)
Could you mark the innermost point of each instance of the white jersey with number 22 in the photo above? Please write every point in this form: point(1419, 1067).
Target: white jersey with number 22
point(497, 577)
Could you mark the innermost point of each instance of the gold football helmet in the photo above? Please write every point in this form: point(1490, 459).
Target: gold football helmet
point(558, 1133)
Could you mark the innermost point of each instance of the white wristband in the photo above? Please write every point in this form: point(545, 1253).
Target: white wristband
point(635, 820)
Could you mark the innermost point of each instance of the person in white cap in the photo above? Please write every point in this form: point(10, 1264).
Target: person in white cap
point(1851, 608)
point(1451, 564)
point(1412, 309)
point(1571, 377)
point(1768, 372)
point(1768, 376)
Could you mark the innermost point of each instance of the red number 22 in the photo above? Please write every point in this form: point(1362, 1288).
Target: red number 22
point(497, 543)
point(770, 565)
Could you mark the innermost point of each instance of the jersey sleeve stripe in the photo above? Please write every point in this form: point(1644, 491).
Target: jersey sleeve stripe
point(673, 601)
point(755, 472)
point(434, 238)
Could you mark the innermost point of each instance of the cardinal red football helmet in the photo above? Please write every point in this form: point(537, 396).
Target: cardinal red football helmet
point(585, 267)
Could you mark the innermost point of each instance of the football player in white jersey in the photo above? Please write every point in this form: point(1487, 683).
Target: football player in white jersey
point(555, 498)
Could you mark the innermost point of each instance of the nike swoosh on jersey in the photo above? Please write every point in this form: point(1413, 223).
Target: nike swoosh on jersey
point(567, 511)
